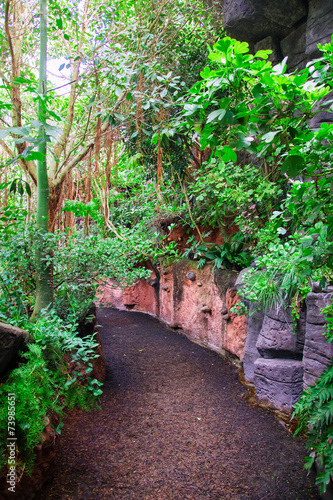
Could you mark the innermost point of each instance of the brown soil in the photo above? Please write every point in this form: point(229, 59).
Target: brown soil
point(173, 426)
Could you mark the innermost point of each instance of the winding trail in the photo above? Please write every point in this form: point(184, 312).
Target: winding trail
point(173, 426)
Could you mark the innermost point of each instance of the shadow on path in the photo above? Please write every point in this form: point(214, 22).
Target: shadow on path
point(173, 426)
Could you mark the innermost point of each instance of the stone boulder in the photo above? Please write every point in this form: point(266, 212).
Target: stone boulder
point(278, 382)
point(12, 340)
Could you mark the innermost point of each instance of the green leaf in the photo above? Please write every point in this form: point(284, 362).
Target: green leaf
point(34, 155)
point(12, 188)
point(229, 154)
point(3, 133)
point(27, 188)
point(59, 23)
point(20, 79)
point(263, 53)
point(219, 114)
point(269, 137)
point(66, 37)
point(119, 116)
point(293, 164)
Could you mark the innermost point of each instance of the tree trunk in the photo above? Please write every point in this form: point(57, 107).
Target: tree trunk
point(55, 202)
point(44, 281)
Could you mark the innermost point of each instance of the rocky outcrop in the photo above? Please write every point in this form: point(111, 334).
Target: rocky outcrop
point(12, 340)
point(278, 372)
point(290, 28)
point(281, 360)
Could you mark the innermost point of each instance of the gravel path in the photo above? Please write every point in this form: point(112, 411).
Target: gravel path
point(173, 426)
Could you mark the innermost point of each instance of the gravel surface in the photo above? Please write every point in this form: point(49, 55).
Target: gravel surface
point(173, 426)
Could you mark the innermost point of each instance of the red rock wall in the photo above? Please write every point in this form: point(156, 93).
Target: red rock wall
point(193, 305)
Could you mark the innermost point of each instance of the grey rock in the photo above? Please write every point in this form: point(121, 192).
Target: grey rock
point(278, 382)
point(225, 317)
point(251, 352)
point(199, 284)
point(269, 43)
point(254, 20)
point(164, 272)
point(224, 310)
point(165, 287)
point(319, 26)
point(317, 353)
point(293, 46)
point(281, 12)
point(190, 276)
point(314, 303)
point(12, 339)
point(206, 309)
point(276, 338)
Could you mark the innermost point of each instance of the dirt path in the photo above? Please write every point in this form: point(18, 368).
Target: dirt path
point(173, 426)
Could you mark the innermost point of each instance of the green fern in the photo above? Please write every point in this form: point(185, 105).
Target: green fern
point(314, 412)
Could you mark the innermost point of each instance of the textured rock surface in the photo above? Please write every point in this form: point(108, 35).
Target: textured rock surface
point(246, 23)
point(278, 382)
point(270, 43)
point(317, 351)
point(12, 339)
point(293, 46)
point(288, 27)
point(251, 353)
point(277, 339)
point(181, 303)
point(319, 25)
point(253, 20)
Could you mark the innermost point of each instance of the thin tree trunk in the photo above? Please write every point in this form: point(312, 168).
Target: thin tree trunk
point(44, 284)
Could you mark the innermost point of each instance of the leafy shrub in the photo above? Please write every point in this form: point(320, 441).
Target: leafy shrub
point(314, 411)
point(43, 385)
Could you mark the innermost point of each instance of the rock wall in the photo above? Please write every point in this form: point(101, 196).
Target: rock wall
point(278, 359)
point(290, 28)
point(195, 300)
point(281, 362)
